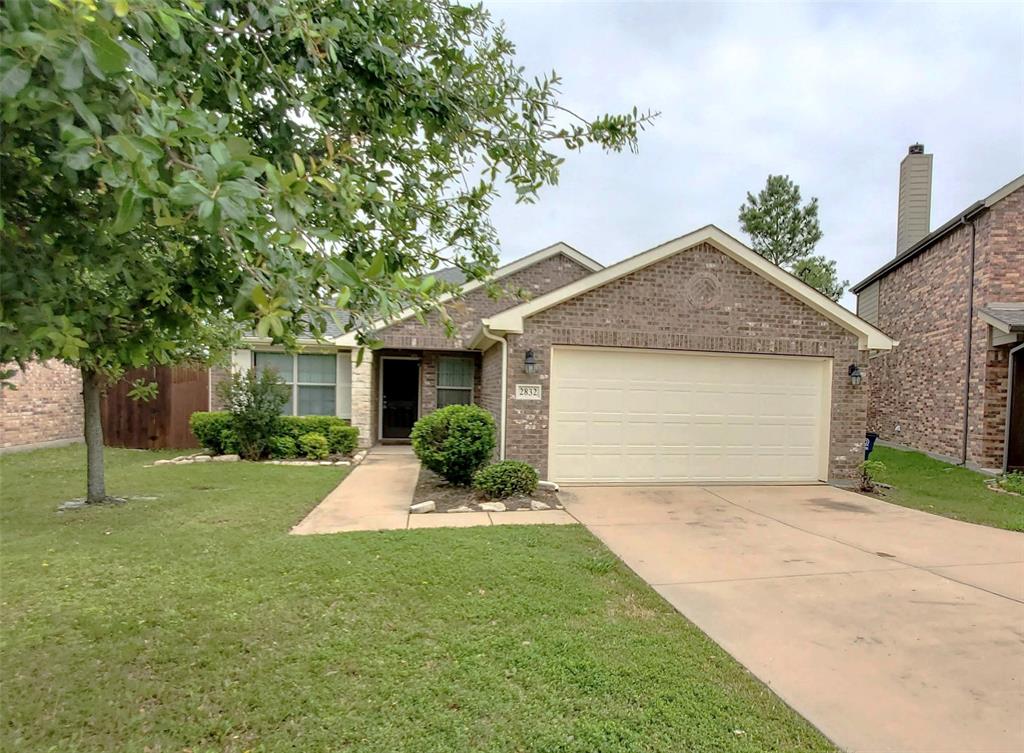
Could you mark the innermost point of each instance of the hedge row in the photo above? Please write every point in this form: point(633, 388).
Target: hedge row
point(213, 430)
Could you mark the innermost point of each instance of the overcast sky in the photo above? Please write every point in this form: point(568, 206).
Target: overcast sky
point(829, 94)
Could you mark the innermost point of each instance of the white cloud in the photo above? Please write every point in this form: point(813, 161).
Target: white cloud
point(829, 94)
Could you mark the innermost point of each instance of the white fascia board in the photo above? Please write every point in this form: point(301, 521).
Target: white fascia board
point(869, 337)
point(349, 338)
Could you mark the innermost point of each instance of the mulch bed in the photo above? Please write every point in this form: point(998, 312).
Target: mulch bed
point(447, 497)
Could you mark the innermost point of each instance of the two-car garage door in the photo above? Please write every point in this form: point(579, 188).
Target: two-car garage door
point(638, 416)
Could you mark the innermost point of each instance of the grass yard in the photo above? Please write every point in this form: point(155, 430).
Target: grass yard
point(927, 484)
point(193, 622)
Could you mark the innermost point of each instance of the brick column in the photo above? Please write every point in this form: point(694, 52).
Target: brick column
point(362, 396)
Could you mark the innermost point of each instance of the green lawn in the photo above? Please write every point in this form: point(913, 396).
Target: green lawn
point(923, 483)
point(194, 622)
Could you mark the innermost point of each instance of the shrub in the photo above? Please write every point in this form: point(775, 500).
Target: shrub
point(869, 471)
point(314, 445)
point(254, 402)
point(455, 442)
point(283, 446)
point(509, 478)
point(208, 427)
point(228, 442)
point(342, 438)
point(1012, 482)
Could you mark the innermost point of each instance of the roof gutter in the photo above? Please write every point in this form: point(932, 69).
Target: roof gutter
point(486, 334)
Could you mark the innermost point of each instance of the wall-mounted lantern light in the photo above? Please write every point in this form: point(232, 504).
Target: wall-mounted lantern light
point(855, 375)
point(530, 363)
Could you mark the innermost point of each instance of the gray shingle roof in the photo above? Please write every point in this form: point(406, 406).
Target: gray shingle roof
point(1009, 314)
point(453, 275)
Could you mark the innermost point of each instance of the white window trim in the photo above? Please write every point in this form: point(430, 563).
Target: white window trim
point(295, 383)
point(472, 379)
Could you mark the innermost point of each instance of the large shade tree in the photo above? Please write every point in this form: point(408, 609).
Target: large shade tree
point(175, 170)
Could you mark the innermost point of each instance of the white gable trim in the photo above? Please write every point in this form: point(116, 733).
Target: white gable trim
point(349, 338)
point(870, 337)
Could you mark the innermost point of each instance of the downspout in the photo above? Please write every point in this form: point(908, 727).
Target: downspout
point(487, 334)
point(968, 340)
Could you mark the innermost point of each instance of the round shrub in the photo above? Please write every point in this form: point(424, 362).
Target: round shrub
point(455, 442)
point(342, 438)
point(208, 426)
point(282, 447)
point(509, 478)
point(314, 445)
point(229, 442)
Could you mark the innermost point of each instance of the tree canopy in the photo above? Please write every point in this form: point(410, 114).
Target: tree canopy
point(173, 169)
point(786, 233)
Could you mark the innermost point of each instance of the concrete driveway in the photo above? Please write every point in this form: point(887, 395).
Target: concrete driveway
point(889, 629)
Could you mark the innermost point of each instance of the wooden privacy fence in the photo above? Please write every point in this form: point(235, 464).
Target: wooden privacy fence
point(163, 421)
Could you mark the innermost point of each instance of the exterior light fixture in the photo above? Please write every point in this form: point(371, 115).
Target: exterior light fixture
point(530, 363)
point(855, 375)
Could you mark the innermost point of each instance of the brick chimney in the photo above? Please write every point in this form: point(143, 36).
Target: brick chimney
point(915, 205)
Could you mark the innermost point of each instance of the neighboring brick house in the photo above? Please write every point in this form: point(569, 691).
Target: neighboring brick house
point(44, 409)
point(953, 298)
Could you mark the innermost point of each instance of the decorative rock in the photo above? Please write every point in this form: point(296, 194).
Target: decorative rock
point(428, 506)
point(201, 459)
point(183, 461)
point(326, 462)
point(227, 458)
point(549, 486)
point(358, 457)
point(164, 462)
point(342, 462)
point(493, 506)
point(536, 504)
point(462, 508)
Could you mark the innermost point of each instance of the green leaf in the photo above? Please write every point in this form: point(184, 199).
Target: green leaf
point(169, 24)
point(110, 56)
point(121, 8)
point(376, 266)
point(85, 113)
point(70, 70)
point(300, 168)
point(129, 212)
point(141, 64)
point(14, 80)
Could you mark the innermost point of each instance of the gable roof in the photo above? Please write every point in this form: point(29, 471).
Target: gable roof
point(941, 232)
point(448, 275)
point(1008, 317)
point(511, 320)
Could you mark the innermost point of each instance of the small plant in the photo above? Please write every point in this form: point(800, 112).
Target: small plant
point(601, 564)
point(454, 442)
point(314, 445)
point(229, 442)
point(1012, 482)
point(869, 472)
point(509, 478)
point(254, 402)
point(342, 438)
point(283, 447)
point(208, 428)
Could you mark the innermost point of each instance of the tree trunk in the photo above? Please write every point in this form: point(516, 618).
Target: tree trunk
point(97, 487)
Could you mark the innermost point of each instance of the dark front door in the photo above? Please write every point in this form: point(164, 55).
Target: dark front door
point(1015, 414)
point(400, 397)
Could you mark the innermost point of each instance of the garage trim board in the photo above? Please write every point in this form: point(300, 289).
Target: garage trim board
point(638, 416)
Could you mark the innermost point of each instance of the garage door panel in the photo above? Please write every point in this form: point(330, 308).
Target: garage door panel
point(674, 416)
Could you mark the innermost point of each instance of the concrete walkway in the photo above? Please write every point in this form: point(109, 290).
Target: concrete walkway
point(889, 629)
point(376, 496)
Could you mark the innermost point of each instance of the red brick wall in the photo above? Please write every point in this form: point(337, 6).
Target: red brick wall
point(45, 407)
point(918, 386)
point(466, 312)
point(651, 309)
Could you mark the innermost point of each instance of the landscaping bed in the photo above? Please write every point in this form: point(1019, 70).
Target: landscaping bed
point(454, 499)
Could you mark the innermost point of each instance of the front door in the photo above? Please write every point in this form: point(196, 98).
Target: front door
point(399, 397)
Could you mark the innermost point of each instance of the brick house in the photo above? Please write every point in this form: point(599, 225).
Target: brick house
point(953, 298)
point(45, 409)
point(696, 360)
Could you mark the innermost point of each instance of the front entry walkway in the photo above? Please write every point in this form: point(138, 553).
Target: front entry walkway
point(888, 628)
point(376, 496)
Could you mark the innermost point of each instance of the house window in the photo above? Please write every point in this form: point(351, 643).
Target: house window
point(454, 381)
point(311, 379)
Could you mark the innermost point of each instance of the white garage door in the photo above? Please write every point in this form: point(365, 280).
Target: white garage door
point(636, 416)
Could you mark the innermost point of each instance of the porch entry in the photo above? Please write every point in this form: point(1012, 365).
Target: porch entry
point(399, 396)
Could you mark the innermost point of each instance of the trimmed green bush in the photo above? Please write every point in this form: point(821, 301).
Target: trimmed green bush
point(314, 445)
point(229, 444)
point(509, 478)
point(455, 442)
point(283, 447)
point(343, 438)
point(254, 402)
point(208, 427)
